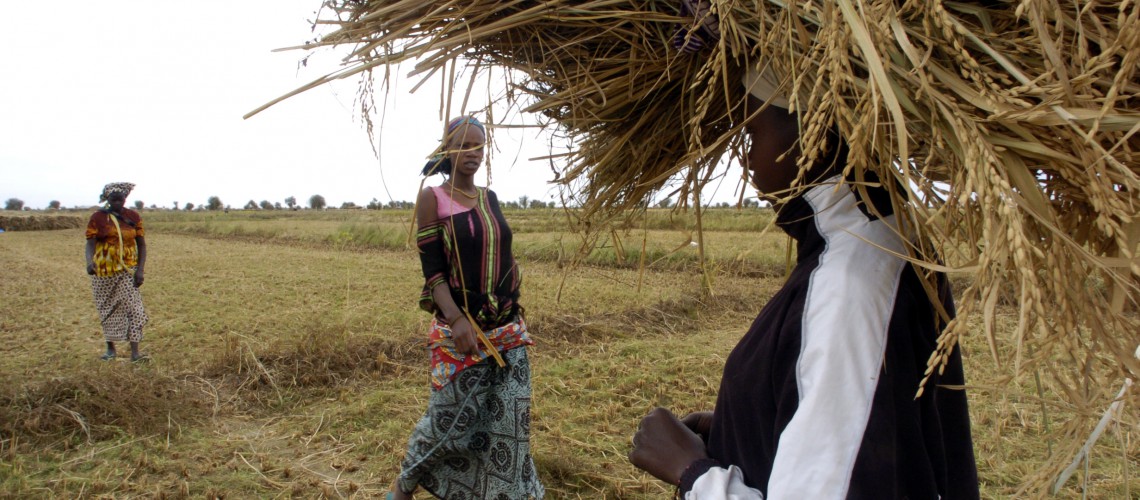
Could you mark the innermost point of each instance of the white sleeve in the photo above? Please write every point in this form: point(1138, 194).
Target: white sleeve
point(722, 484)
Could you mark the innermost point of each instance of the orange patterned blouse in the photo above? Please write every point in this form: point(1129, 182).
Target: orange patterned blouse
point(108, 258)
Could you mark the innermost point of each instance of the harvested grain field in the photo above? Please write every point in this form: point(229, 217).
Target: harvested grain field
point(288, 361)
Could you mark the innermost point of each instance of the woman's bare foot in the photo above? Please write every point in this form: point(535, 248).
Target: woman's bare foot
point(396, 493)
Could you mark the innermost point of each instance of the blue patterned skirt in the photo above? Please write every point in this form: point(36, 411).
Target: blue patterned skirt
point(474, 440)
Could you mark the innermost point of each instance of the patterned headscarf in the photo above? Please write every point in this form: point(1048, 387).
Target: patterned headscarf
point(116, 187)
point(440, 163)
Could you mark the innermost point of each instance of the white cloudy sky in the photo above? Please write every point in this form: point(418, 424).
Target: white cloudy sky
point(153, 92)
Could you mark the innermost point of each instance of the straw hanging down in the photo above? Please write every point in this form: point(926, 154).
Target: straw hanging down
point(1006, 132)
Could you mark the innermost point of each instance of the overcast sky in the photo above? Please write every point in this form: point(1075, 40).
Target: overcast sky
point(154, 92)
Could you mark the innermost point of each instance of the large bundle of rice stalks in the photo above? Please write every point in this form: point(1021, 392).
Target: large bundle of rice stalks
point(1010, 128)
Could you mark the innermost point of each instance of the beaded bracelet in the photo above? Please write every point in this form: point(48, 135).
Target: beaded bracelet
point(695, 470)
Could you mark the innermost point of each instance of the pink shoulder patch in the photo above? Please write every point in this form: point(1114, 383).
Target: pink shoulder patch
point(444, 205)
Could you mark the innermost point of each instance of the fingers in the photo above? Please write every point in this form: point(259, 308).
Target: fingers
point(468, 348)
point(659, 413)
point(465, 341)
point(663, 446)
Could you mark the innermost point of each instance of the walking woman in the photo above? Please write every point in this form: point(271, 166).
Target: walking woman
point(474, 439)
point(116, 257)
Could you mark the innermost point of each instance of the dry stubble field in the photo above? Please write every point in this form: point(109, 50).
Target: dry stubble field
point(288, 360)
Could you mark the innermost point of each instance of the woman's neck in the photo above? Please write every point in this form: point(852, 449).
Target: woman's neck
point(464, 183)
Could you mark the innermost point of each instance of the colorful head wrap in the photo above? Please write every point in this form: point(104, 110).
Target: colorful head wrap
point(116, 187)
point(440, 163)
point(460, 120)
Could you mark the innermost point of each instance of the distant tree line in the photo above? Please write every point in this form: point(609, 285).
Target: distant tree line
point(318, 202)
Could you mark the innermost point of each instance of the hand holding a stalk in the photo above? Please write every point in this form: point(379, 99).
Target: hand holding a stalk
point(463, 334)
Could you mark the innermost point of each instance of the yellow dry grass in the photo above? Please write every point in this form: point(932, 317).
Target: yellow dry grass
point(295, 368)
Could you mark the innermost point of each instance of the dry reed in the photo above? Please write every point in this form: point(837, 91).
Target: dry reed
point(1010, 128)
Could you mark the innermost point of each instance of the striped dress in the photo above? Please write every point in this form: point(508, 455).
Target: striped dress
point(470, 250)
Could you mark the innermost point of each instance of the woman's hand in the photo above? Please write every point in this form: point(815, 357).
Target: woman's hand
point(463, 334)
point(91, 268)
point(139, 277)
point(664, 446)
point(699, 422)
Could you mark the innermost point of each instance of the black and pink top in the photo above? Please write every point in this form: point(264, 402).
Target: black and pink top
point(470, 250)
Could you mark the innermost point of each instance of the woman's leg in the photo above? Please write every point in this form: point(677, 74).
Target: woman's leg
point(135, 356)
point(397, 493)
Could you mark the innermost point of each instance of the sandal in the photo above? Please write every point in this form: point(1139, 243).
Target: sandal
point(107, 356)
point(141, 358)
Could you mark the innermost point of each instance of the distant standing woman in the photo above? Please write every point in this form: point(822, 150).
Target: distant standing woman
point(474, 439)
point(116, 257)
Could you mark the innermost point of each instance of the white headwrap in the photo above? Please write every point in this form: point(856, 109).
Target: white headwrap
point(764, 86)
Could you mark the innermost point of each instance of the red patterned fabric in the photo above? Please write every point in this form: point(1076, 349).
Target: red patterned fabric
point(446, 362)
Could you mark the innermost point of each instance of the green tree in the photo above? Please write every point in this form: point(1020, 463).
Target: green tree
point(54, 204)
point(523, 201)
point(189, 206)
point(214, 203)
point(348, 205)
point(251, 205)
point(291, 202)
point(665, 203)
point(139, 205)
point(316, 202)
point(265, 205)
point(14, 204)
point(176, 205)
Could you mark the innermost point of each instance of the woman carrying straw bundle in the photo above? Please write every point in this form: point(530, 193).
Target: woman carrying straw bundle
point(116, 258)
point(474, 439)
point(818, 399)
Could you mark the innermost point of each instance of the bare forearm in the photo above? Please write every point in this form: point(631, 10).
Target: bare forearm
point(441, 293)
point(141, 245)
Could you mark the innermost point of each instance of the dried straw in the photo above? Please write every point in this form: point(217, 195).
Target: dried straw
point(1011, 128)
